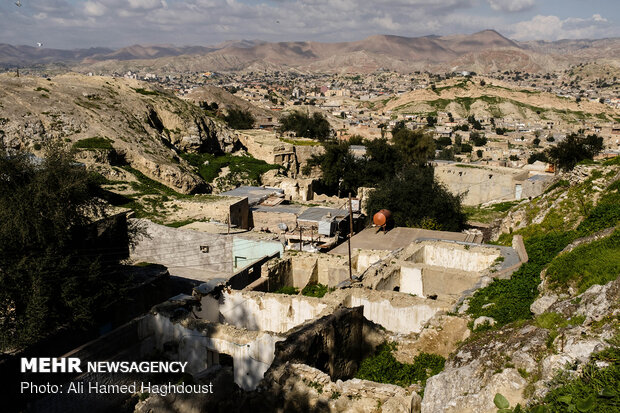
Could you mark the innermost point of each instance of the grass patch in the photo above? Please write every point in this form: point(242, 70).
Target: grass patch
point(146, 92)
point(384, 368)
point(490, 213)
point(587, 265)
point(287, 289)
point(209, 166)
point(612, 161)
point(315, 290)
point(96, 142)
point(511, 299)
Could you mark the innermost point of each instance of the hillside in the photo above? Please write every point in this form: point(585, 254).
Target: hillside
point(483, 51)
point(226, 100)
point(495, 99)
point(133, 124)
point(548, 337)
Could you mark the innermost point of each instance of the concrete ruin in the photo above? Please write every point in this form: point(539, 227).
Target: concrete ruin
point(479, 184)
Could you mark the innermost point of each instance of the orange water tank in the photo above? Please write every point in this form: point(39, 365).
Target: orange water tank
point(382, 217)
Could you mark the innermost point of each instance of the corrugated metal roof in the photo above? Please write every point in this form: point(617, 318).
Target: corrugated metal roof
point(319, 213)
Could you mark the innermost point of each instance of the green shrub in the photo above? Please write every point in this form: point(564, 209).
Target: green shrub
point(384, 368)
point(287, 290)
point(316, 290)
point(146, 92)
point(239, 119)
point(95, 142)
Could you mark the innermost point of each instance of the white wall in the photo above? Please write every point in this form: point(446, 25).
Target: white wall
point(270, 312)
point(411, 281)
point(403, 320)
point(461, 259)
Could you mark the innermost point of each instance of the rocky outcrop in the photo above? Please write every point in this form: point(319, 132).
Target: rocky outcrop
point(147, 127)
point(520, 362)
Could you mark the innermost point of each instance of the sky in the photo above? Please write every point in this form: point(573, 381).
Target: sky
point(69, 24)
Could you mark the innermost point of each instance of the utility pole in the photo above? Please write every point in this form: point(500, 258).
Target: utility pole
point(350, 235)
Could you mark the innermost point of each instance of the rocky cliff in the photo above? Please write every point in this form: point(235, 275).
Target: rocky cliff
point(143, 125)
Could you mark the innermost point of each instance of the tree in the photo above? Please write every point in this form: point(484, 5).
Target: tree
point(446, 154)
point(466, 148)
point(479, 153)
point(477, 139)
point(47, 279)
point(474, 123)
point(574, 149)
point(536, 141)
point(416, 147)
point(239, 119)
point(306, 126)
point(339, 168)
point(537, 156)
point(417, 200)
point(443, 141)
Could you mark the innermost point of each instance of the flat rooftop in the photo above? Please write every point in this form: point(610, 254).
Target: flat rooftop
point(375, 239)
point(255, 194)
point(317, 214)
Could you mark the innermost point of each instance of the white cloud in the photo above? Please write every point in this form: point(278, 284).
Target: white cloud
point(93, 8)
point(554, 28)
point(511, 5)
point(146, 4)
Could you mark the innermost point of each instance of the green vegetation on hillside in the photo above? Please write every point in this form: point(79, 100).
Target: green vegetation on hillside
point(594, 263)
point(95, 142)
point(384, 368)
point(209, 166)
point(146, 92)
point(509, 300)
point(596, 389)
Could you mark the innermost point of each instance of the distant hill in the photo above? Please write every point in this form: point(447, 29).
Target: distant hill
point(482, 51)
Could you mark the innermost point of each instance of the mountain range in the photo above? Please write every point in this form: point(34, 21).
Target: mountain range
point(482, 51)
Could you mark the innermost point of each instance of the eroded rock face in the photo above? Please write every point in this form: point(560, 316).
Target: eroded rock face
point(147, 126)
point(499, 361)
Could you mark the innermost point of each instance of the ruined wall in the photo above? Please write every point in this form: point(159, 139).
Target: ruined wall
point(268, 312)
point(455, 256)
point(252, 352)
point(479, 184)
point(399, 313)
point(334, 344)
